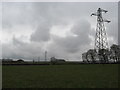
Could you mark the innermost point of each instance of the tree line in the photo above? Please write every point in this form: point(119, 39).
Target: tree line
point(111, 54)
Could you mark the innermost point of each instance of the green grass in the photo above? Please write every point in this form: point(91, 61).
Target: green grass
point(61, 76)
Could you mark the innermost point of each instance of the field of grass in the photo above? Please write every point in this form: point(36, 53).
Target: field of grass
point(61, 76)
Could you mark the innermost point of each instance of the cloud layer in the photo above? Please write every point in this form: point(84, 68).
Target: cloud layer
point(64, 30)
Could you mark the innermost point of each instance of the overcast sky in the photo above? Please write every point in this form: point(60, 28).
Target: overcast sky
point(64, 30)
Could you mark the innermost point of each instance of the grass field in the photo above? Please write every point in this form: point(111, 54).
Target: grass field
point(61, 76)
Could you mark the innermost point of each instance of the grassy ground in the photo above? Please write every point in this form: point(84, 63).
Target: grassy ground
point(61, 76)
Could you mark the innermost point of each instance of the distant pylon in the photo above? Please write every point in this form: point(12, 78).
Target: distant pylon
point(45, 55)
point(101, 37)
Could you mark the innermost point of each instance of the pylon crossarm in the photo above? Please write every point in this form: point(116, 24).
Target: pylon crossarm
point(104, 10)
point(95, 14)
point(106, 21)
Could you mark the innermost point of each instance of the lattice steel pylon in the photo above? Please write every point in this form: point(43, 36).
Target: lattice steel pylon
point(45, 55)
point(101, 43)
point(101, 37)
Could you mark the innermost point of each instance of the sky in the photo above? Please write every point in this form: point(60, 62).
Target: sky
point(64, 29)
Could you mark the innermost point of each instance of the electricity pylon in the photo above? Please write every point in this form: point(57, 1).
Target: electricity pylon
point(101, 42)
point(45, 55)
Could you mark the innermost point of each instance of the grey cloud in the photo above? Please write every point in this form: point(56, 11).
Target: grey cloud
point(71, 43)
point(19, 49)
point(41, 34)
point(54, 12)
point(17, 42)
point(82, 29)
point(41, 17)
point(70, 46)
point(112, 29)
